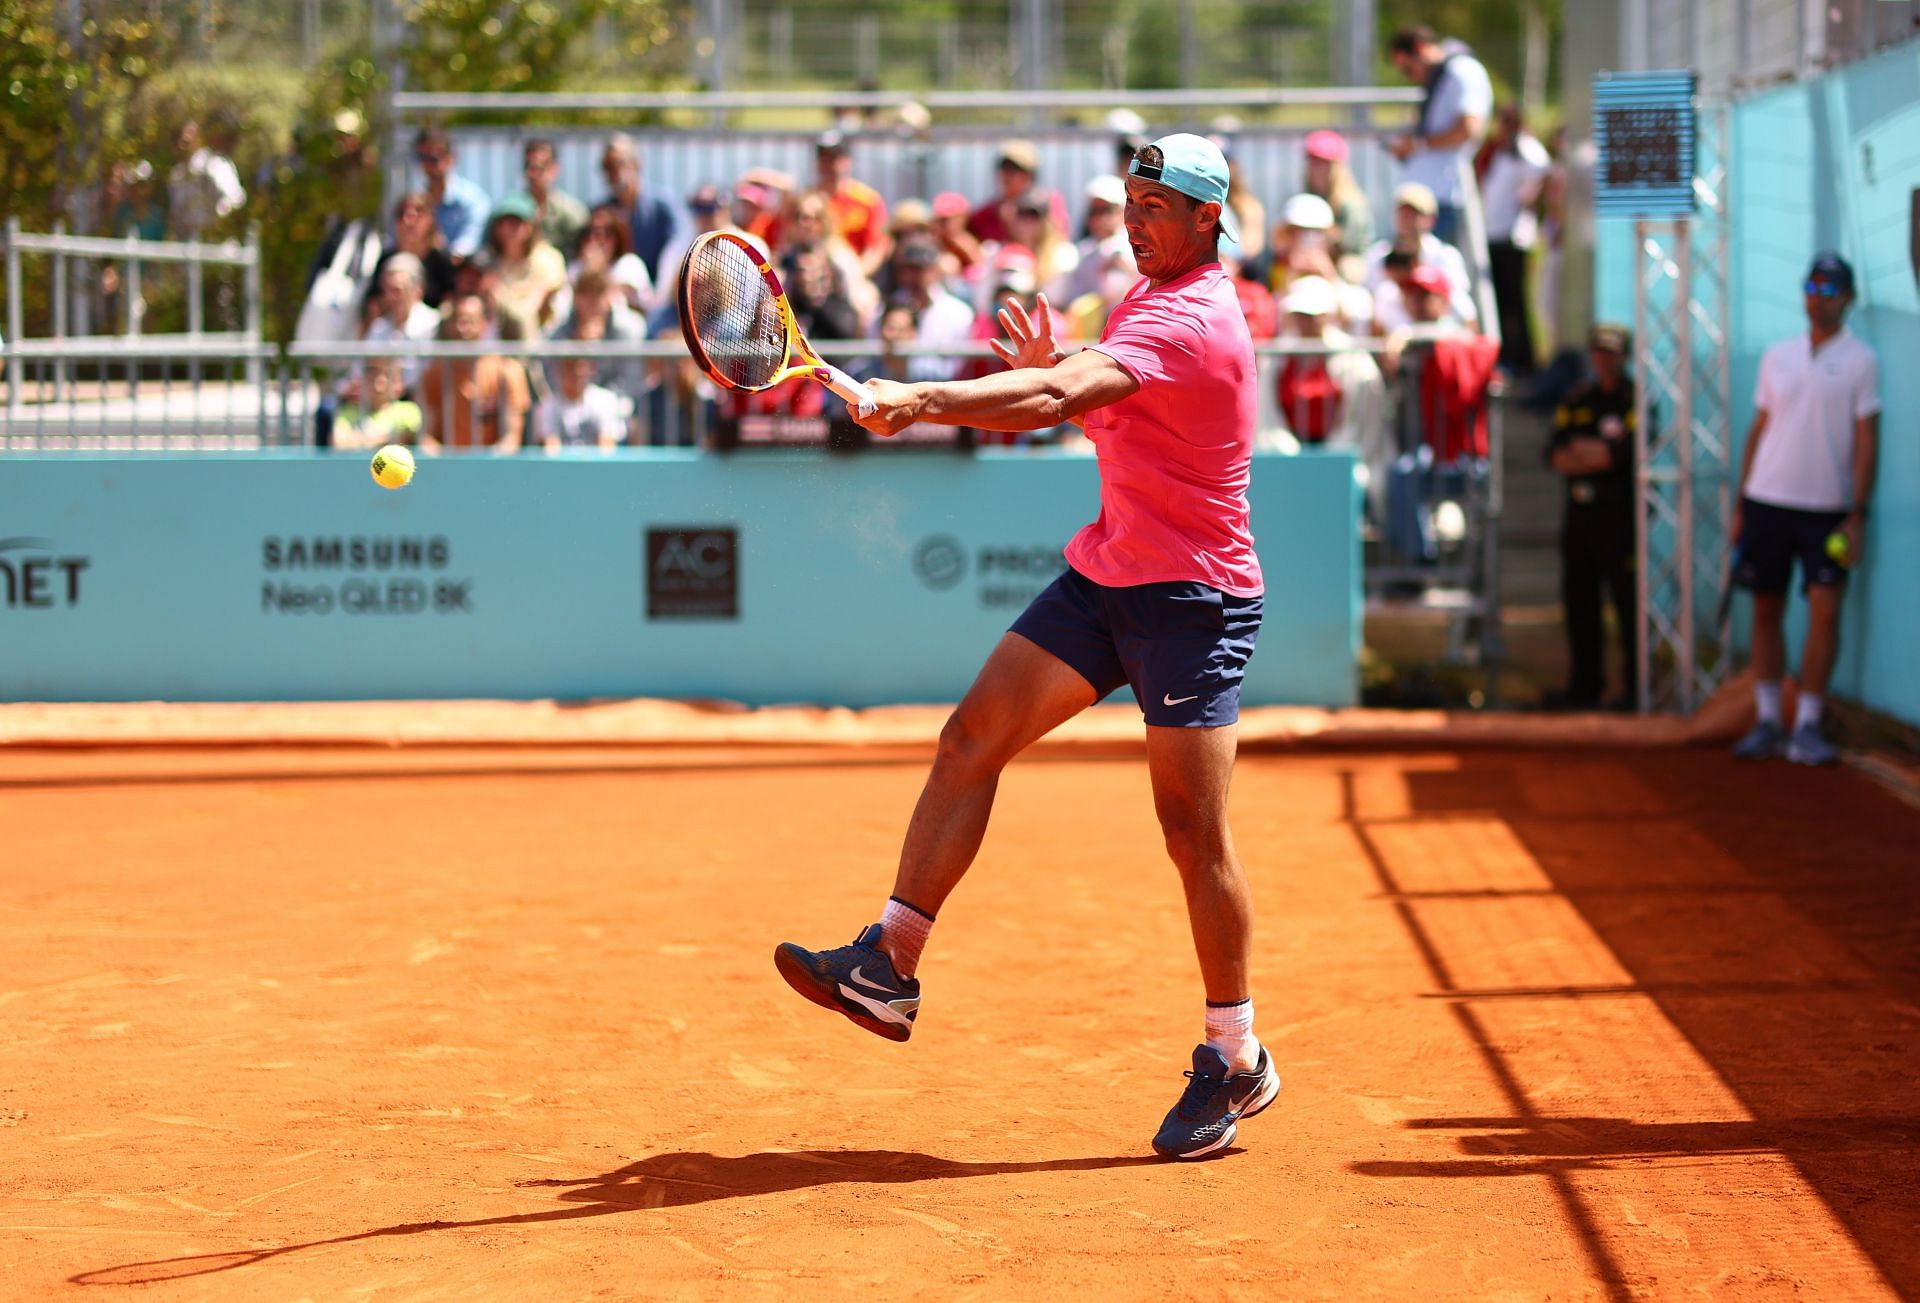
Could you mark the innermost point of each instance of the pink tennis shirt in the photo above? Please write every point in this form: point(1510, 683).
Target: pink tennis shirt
point(1176, 455)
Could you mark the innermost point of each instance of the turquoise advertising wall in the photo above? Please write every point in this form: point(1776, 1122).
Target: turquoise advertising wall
point(774, 577)
point(1835, 163)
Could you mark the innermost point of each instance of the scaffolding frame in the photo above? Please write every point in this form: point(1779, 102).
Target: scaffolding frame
point(1684, 436)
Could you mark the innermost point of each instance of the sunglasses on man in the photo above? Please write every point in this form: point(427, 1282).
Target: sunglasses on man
point(1825, 289)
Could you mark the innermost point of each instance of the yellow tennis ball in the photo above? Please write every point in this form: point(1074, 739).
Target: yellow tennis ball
point(392, 467)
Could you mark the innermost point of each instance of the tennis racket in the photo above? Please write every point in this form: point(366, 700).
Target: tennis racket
point(740, 327)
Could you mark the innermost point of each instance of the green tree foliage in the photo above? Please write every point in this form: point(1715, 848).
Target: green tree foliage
point(1494, 28)
point(537, 45)
point(116, 91)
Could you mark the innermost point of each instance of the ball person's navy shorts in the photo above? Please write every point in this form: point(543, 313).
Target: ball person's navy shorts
point(1182, 646)
point(1773, 538)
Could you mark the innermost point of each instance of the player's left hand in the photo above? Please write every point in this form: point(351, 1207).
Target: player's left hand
point(895, 407)
point(1032, 343)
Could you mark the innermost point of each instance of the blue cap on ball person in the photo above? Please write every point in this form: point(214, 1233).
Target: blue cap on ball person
point(1192, 165)
point(1831, 269)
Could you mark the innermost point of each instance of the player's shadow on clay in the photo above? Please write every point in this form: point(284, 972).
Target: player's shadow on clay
point(663, 1181)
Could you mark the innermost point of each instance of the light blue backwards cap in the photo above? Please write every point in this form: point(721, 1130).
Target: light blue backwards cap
point(1194, 166)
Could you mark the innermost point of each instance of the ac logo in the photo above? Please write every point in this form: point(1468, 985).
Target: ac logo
point(693, 572)
point(33, 578)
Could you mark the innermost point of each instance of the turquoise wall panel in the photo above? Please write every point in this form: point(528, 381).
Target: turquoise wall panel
point(1835, 163)
point(856, 580)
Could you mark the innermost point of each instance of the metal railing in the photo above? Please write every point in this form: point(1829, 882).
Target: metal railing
point(73, 258)
point(155, 394)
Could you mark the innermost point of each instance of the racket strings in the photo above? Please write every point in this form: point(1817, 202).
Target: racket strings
point(734, 315)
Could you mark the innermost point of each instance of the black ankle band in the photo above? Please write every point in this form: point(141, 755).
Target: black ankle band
point(907, 904)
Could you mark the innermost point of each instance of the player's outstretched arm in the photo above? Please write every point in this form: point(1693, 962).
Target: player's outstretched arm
point(1029, 399)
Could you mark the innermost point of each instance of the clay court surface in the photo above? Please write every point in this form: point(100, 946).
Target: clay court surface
point(348, 1021)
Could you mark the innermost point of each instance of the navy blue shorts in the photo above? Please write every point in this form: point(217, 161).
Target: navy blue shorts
point(1773, 538)
point(1182, 646)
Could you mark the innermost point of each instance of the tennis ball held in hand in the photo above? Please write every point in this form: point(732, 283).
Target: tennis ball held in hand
point(392, 467)
point(1837, 548)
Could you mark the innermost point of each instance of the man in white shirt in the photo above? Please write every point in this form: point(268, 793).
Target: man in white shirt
point(1513, 169)
point(1804, 489)
point(940, 317)
point(205, 186)
point(1459, 99)
point(1414, 210)
point(404, 315)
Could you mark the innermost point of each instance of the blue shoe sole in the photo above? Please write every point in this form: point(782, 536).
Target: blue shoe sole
point(791, 961)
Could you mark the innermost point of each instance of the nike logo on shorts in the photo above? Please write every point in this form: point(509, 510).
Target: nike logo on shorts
point(1168, 699)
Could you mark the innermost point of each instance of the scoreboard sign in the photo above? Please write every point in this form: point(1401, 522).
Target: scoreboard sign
point(1643, 124)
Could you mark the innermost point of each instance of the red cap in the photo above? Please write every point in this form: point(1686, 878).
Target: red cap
point(951, 203)
point(1432, 280)
point(1329, 145)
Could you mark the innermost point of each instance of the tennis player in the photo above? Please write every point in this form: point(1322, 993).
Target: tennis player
point(1163, 593)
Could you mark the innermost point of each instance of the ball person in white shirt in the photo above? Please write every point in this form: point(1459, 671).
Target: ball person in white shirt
point(1804, 490)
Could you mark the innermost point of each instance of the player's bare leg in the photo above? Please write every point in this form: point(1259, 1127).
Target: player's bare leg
point(1233, 1077)
point(1807, 743)
point(1021, 695)
point(1191, 770)
point(1768, 736)
point(1823, 637)
point(1769, 637)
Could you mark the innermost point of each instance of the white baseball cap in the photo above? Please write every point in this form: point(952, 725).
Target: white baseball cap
point(1108, 189)
point(1309, 212)
point(1312, 296)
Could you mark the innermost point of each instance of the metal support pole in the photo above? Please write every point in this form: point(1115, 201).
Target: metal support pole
point(1189, 47)
point(717, 37)
point(136, 306)
point(1683, 422)
point(389, 54)
point(196, 291)
point(1642, 456)
point(1030, 38)
point(256, 372)
point(196, 311)
point(59, 312)
point(1744, 41)
point(1361, 34)
point(1723, 368)
point(15, 316)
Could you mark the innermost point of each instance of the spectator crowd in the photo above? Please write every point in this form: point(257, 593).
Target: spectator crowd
point(915, 274)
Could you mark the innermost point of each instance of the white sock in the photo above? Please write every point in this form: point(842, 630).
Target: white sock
point(1230, 1030)
point(1766, 700)
point(906, 930)
point(1807, 712)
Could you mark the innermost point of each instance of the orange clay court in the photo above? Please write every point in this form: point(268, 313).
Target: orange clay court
point(346, 1021)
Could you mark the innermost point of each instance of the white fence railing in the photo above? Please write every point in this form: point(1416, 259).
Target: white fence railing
point(93, 276)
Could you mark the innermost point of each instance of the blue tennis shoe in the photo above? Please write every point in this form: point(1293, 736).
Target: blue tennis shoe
point(856, 980)
point(1214, 1104)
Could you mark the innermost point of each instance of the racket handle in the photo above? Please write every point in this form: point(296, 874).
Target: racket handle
point(846, 386)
